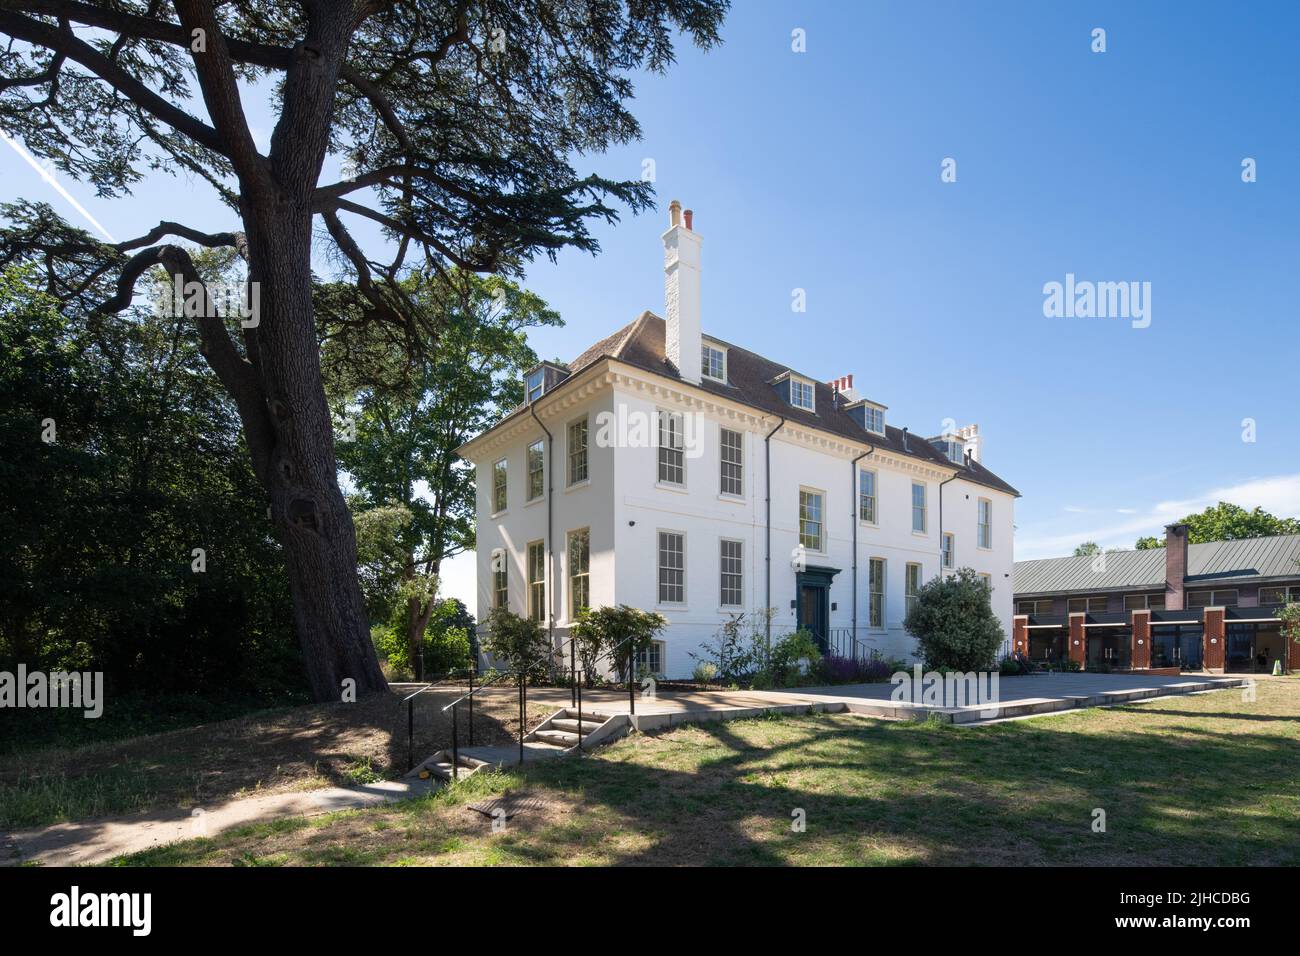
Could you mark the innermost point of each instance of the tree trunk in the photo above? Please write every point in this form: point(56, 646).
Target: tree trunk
point(294, 452)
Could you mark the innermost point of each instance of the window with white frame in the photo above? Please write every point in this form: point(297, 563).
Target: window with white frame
point(985, 519)
point(918, 507)
point(802, 394)
point(810, 519)
point(733, 576)
point(911, 586)
point(579, 571)
point(867, 496)
point(713, 363)
point(650, 661)
point(535, 383)
point(672, 454)
point(952, 450)
point(876, 592)
point(500, 580)
point(499, 486)
point(537, 580)
point(949, 549)
point(536, 470)
point(874, 419)
point(732, 455)
point(988, 581)
point(577, 451)
point(672, 567)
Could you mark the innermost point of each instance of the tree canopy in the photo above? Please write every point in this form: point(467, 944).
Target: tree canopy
point(457, 125)
point(1227, 522)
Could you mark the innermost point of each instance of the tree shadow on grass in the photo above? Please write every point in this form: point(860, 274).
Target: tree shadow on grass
point(876, 792)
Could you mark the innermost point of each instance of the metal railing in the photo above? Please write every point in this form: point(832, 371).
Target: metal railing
point(845, 642)
point(409, 700)
point(454, 707)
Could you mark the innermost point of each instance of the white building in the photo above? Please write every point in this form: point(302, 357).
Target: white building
point(639, 475)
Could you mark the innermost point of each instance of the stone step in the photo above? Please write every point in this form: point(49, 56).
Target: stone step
point(443, 768)
point(571, 725)
point(556, 738)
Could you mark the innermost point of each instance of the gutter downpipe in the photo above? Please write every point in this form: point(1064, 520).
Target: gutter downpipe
point(550, 551)
point(767, 488)
point(941, 484)
point(853, 505)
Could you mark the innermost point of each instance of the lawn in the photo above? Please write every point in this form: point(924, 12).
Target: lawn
point(1205, 779)
point(292, 748)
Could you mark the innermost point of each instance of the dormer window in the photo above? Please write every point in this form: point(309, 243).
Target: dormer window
point(542, 378)
point(954, 451)
point(802, 394)
point(874, 419)
point(535, 384)
point(713, 363)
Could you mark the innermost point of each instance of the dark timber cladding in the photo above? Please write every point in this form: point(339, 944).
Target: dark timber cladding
point(1209, 606)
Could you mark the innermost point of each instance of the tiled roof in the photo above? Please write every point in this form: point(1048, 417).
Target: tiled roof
point(1209, 563)
point(749, 378)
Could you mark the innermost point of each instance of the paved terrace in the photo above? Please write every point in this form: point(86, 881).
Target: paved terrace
point(1018, 697)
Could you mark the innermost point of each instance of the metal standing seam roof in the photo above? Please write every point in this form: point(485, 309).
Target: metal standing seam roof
point(1244, 559)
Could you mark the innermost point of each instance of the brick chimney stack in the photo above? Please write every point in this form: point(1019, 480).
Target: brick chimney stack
point(1175, 565)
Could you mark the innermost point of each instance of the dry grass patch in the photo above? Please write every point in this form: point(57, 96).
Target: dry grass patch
point(300, 748)
point(1207, 779)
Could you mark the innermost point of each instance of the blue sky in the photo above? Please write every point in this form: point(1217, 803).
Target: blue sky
point(821, 170)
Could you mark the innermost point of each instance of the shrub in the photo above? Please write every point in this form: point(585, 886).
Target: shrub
point(953, 623)
point(847, 670)
point(617, 634)
point(738, 650)
point(704, 672)
point(519, 643)
point(1012, 666)
point(794, 656)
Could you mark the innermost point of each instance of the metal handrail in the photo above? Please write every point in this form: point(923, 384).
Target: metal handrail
point(454, 707)
point(409, 701)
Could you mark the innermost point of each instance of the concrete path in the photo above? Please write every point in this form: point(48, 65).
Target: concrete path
point(72, 844)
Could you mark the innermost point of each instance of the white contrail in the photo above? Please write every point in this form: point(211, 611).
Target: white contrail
point(49, 178)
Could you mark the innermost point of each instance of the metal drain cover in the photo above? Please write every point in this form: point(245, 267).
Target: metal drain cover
point(506, 806)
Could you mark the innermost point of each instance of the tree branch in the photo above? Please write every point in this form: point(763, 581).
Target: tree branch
point(67, 44)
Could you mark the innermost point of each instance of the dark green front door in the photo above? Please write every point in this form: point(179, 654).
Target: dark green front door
point(813, 602)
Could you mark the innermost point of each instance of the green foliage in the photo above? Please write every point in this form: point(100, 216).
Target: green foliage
point(518, 643)
point(1086, 549)
point(99, 526)
point(617, 634)
point(954, 625)
point(1228, 522)
point(738, 649)
point(449, 645)
point(1290, 618)
point(406, 413)
point(704, 672)
point(794, 660)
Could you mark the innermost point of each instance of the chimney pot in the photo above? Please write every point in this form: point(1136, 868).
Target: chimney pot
point(689, 214)
point(675, 214)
